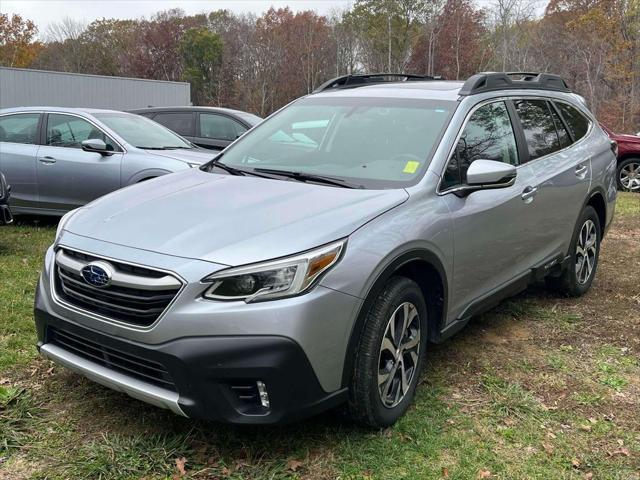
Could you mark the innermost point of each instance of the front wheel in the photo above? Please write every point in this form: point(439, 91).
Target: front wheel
point(390, 355)
point(628, 175)
point(577, 277)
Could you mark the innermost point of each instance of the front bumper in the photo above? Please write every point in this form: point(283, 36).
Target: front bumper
point(208, 375)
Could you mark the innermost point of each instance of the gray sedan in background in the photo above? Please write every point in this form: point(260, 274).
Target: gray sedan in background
point(58, 159)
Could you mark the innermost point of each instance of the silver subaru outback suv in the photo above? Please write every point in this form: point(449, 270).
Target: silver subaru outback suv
point(311, 264)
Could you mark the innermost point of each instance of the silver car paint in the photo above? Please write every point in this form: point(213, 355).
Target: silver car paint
point(52, 180)
point(252, 216)
point(483, 241)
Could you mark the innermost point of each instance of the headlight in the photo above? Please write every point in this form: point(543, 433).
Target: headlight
point(274, 279)
point(63, 221)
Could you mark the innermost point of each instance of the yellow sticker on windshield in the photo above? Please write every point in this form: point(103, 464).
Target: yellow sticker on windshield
point(411, 166)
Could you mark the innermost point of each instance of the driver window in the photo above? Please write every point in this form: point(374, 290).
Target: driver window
point(70, 131)
point(488, 135)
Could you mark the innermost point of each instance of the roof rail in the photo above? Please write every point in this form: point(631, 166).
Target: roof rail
point(361, 80)
point(492, 81)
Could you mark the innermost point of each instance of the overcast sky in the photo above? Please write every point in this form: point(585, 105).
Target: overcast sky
point(42, 12)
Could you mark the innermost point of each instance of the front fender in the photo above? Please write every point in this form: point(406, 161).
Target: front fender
point(145, 175)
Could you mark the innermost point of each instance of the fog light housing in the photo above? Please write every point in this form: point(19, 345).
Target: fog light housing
point(264, 395)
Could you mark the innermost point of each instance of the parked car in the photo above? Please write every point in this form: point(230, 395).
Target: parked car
point(309, 264)
point(57, 159)
point(628, 173)
point(5, 192)
point(207, 127)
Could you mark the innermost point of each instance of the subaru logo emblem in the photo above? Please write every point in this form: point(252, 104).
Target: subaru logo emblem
point(97, 274)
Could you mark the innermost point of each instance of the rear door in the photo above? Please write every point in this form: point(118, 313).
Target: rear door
point(494, 230)
point(183, 123)
point(216, 131)
point(19, 138)
point(562, 170)
point(69, 177)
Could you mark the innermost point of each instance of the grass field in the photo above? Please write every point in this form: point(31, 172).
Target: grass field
point(541, 387)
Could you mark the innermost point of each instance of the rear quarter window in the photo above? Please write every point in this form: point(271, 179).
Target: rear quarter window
point(578, 124)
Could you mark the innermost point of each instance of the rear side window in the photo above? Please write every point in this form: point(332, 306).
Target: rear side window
point(578, 124)
point(181, 123)
point(20, 128)
point(220, 127)
point(488, 136)
point(539, 127)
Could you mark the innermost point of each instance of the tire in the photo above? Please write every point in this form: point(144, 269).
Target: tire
point(576, 279)
point(628, 175)
point(399, 298)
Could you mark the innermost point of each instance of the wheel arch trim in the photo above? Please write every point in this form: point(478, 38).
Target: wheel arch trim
point(385, 273)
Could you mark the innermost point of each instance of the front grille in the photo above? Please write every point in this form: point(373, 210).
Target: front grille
point(137, 295)
point(131, 365)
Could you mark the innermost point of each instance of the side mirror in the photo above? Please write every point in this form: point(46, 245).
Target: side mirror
point(96, 145)
point(491, 174)
point(487, 174)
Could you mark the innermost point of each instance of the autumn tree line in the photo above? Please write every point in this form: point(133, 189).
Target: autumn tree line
point(260, 63)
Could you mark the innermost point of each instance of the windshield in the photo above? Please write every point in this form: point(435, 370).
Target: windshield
point(142, 132)
point(368, 142)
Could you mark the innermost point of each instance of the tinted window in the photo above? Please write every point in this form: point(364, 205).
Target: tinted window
point(488, 135)
point(577, 123)
point(220, 127)
point(371, 142)
point(22, 128)
point(70, 131)
point(181, 123)
point(539, 129)
point(563, 135)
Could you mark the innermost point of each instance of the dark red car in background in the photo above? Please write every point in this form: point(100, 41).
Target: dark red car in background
point(628, 173)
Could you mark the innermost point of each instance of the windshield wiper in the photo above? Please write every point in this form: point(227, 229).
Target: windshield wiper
point(232, 170)
point(307, 177)
point(226, 168)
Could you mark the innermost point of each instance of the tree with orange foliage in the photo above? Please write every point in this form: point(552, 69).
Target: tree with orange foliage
point(17, 45)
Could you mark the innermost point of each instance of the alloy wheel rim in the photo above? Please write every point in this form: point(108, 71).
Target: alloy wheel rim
point(399, 353)
point(586, 250)
point(630, 176)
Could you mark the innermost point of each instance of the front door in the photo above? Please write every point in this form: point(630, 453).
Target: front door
point(69, 177)
point(216, 131)
point(494, 234)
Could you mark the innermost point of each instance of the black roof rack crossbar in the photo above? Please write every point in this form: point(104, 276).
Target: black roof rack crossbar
point(492, 81)
point(360, 80)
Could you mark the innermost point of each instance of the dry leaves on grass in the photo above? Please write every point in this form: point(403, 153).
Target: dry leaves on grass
point(621, 452)
point(484, 474)
point(180, 466)
point(293, 465)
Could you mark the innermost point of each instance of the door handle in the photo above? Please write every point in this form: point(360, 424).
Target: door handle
point(47, 160)
point(581, 171)
point(528, 193)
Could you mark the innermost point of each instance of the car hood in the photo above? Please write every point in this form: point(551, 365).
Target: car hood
point(190, 156)
point(229, 220)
